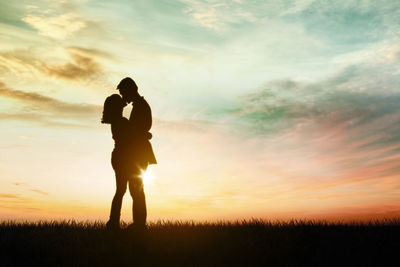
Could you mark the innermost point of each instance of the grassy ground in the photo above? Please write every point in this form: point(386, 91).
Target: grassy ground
point(254, 243)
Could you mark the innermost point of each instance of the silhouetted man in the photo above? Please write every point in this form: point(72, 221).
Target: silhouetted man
point(139, 154)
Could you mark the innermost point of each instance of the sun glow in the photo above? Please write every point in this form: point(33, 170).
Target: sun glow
point(147, 176)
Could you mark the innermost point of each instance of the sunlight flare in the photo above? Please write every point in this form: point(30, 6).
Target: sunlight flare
point(147, 176)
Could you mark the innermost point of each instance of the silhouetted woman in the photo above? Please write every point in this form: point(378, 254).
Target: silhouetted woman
point(127, 159)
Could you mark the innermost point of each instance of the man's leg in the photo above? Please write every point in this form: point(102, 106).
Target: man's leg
point(115, 213)
point(139, 210)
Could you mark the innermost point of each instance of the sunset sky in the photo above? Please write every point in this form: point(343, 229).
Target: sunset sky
point(262, 109)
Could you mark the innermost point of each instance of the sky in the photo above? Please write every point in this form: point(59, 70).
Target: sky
point(261, 109)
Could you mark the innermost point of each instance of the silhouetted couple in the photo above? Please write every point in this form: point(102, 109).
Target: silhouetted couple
point(132, 151)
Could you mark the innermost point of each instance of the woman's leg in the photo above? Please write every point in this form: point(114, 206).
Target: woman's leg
point(115, 213)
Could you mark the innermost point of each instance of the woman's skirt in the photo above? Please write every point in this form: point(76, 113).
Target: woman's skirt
point(133, 159)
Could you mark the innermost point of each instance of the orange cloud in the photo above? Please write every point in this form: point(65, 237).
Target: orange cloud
point(83, 64)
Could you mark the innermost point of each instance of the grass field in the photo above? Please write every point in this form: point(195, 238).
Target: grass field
point(251, 243)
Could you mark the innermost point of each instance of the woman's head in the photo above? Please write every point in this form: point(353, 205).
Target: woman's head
point(112, 109)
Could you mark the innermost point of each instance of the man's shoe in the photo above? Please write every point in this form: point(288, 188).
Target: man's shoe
point(136, 227)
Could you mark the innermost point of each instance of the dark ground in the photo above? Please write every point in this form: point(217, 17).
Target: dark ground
point(254, 243)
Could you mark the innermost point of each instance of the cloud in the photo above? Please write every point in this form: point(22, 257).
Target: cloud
point(10, 196)
point(58, 26)
point(82, 64)
point(89, 52)
point(336, 131)
point(80, 67)
point(299, 6)
point(217, 15)
point(45, 120)
point(31, 188)
point(61, 20)
point(41, 102)
point(39, 191)
point(48, 111)
point(205, 16)
point(381, 53)
point(12, 199)
point(358, 94)
point(22, 117)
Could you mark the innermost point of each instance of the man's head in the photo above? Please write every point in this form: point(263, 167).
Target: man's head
point(128, 89)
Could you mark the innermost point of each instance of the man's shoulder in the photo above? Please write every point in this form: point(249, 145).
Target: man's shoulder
point(142, 99)
point(144, 102)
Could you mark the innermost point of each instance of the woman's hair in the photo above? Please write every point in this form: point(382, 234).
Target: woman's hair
point(112, 108)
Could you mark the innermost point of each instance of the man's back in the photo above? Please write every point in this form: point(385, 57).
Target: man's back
point(141, 115)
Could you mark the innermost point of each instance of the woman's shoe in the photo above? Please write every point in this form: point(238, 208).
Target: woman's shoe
point(111, 225)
